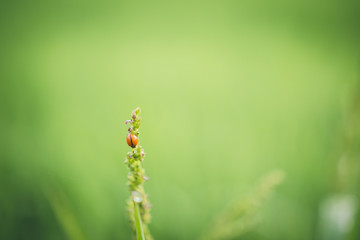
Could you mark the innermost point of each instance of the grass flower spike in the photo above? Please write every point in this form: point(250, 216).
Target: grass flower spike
point(138, 205)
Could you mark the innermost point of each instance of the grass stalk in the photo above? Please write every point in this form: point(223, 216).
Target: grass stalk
point(139, 226)
point(138, 205)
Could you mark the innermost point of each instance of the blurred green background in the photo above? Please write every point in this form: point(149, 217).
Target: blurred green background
point(229, 91)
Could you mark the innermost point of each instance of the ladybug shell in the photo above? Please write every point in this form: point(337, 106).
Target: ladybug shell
point(132, 140)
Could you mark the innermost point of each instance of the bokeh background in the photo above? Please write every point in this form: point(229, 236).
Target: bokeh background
point(229, 91)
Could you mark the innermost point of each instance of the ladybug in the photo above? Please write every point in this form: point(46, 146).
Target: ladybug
point(132, 140)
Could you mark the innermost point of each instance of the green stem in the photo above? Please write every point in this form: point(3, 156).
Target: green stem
point(139, 227)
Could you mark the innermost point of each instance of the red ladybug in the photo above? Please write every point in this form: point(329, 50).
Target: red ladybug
point(132, 140)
